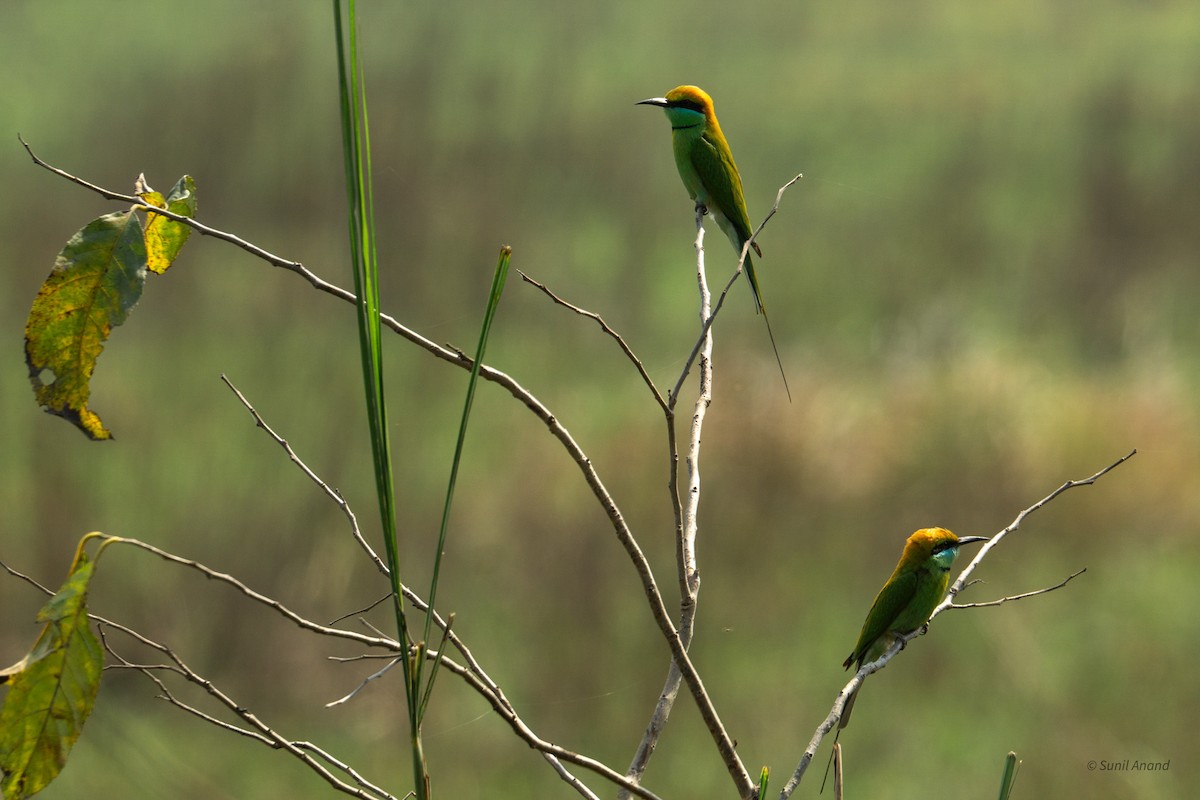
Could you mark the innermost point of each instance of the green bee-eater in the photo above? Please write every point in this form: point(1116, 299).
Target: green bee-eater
point(908, 598)
point(905, 602)
point(706, 166)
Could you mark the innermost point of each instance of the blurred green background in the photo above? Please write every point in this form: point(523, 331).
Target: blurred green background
point(985, 285)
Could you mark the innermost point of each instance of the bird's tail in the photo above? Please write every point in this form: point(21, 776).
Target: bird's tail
point(761, 309)
point(837, 735)
point(832, 752)
point(754, 290)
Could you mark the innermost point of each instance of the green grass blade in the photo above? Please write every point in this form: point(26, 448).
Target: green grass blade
point(356, 152)
point(1010, 775)
point(489, 315)
point(356, 149)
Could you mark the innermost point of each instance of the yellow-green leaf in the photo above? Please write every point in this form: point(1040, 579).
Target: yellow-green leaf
point(97, 279)
point(142, 189)
point(164, 236)
point(51, 691)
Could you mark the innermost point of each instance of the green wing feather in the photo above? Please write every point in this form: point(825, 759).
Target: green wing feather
point(714, 164)
point(893, 598)
point(719, 175)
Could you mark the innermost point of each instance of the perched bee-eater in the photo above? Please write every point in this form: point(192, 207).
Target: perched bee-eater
point(706, 166)
point(905, 602)
point(908, 598)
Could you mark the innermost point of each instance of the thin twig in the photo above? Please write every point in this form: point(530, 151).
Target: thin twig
point(306, 624)
point(202, 229)
point(363, 610)
point(344, 767)
point(835, 714)
point(257, 729)
point(458, 358)
point(1034, 593)
point(504, 709)
point(691, 359)
point(624, 535)
point(673, 397)
point(472, 674)
point(31, 581)
point(417, 602)
point(336, 496)
point(774, 210)
point(957, 586)
point(329, 491)
point(360, 657)
point(839, 705)
point(604, 326)
point(373, 676)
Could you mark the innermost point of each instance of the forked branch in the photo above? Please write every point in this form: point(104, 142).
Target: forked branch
point(454, 356)
point(604, 326)
point(687, 366)
point(687, 526)
point(835, 713)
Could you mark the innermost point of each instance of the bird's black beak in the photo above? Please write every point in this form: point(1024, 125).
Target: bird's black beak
point(653, 101)
point(970, 539)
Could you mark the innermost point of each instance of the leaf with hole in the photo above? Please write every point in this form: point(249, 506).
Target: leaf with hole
point(97, 279)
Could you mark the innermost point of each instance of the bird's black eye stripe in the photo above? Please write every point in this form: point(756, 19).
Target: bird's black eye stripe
point(690, 105)
point(945, 546)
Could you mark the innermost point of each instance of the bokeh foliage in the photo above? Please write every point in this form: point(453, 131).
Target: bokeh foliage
point(985, 284)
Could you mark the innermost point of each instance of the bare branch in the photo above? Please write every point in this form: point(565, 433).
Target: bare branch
point(687, 525)
point(774, 210)
point(691, 359)
point(624, 535)
point(604, 326)
point(373, 676)
point(473, 675)
point(363, 610)
point(46, 590)
point(417, 602)
point(839, 706)
point(330, 492)
point(673, 397)
point(202, 229)
point(688, 573)
point(457, 357)
point(148, 670)
point(576, 784)
point(835, 714)
point(346, 768)
point(356, 532)
point(957, 586)
point(270, 602)
point(1034, 593)
point(256, 728)
point(502, 707)
point(361, 657)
